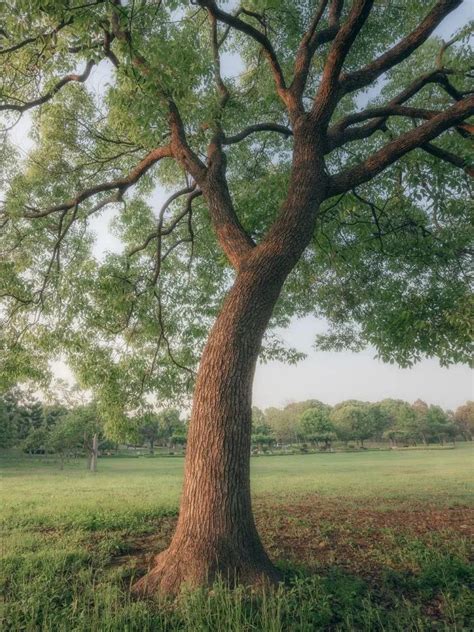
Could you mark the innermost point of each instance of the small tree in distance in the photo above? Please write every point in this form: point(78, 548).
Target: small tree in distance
point(317, 425)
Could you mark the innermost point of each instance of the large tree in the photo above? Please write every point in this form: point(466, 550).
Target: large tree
point(331, 156)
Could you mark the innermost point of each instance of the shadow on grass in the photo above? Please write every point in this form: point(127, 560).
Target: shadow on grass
point(84, 587)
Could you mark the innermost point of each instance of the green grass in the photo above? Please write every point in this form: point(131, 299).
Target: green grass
point(70, 539)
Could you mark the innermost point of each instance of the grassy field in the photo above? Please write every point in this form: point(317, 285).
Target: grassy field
point(367, 541)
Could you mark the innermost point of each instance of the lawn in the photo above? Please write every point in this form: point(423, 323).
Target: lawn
point(367, 541)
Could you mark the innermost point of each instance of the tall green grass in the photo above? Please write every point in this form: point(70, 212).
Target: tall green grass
point(68, 558)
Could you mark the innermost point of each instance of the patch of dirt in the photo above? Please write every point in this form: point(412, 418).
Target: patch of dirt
point(321, 533)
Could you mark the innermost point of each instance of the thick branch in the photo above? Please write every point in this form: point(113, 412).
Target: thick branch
point(339, 134)
point(402, 50)
point(405, 143)
point(447, 156)
point(17, 107)
point(122, 184)
point(385, 111)
point(311, 40)
point(327, 95)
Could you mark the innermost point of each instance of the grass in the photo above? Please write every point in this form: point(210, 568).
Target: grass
point(367, 541)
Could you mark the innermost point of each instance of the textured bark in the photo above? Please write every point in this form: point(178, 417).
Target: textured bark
point(216, 533)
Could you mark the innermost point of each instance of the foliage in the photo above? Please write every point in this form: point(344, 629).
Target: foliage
point(355, 421)
point(464, 419)
point(384, 264)
point(316, 424)
point(162, 427)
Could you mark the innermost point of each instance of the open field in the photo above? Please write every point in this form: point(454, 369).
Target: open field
point(368, 541)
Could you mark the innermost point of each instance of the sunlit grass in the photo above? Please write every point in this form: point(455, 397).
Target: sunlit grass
point(69, 536)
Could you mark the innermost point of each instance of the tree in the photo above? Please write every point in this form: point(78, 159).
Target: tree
point(149, 429)
point(83, 425)
point(162, 426)
point(438, 425)
point(355, 421)
point(464, 420)
point(343, 138)
point(421, 409)
point(67, 436)
point(317, 426)
point(9, 410)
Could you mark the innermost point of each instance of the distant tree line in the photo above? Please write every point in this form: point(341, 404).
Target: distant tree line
point(390, 421)
point(77, 430)
point(69, 431)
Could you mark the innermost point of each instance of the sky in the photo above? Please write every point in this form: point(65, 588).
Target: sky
point(328, 376)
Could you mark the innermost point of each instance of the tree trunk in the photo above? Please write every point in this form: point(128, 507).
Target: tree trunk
point(216, 534)
point(94, 453)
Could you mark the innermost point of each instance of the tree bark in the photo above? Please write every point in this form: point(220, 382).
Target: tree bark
point(216, 534)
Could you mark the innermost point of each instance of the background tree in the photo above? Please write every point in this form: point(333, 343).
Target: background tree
point(8, 421)
point(439, 426)
point(67, 437)
point(149, 428)
point(464, 420)
point(421, 409)
point(343, 138)
point(355, 421)
point(84, 422)
point(317, 425)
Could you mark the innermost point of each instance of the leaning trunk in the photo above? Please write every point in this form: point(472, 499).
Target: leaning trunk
point(216, 534)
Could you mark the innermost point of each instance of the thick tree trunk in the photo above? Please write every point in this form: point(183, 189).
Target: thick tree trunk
point(216, 534)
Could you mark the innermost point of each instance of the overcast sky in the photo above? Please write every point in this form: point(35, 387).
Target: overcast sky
point(329, 376)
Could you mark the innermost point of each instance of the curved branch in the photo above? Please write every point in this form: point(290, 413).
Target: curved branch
point(35, 38)
point(234, 21)
point(15, 107)
point(159, 232)
point(405, 143)
point(385, 111)
point(258, 127)
point(363, 77)
point(122, 184)
point(339, 135)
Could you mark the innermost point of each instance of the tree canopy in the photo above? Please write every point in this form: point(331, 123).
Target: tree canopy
point(126, 97)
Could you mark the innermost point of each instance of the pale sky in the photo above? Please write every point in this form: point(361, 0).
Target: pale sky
point(327, 376)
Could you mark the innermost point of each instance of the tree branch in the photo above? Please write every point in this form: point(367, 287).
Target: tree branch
point(328, 93)
point(122, 184)
point(405, 143)
point(258, 127)
point(16, 107)
point(339, 135)
point(310, 42)
point(35, 38)
point(234, 21)
point(447, 156)
point(363, 77)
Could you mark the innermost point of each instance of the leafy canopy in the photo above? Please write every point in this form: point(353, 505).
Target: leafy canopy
point(387, 264)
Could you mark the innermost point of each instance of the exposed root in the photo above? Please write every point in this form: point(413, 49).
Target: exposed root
point(179, 568)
